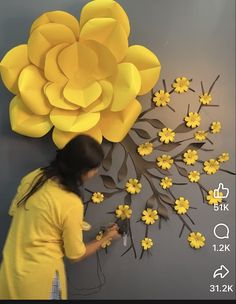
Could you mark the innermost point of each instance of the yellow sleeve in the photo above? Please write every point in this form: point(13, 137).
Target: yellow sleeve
point(72, 232)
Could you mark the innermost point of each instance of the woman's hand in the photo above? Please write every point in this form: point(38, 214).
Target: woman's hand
point(112, 233)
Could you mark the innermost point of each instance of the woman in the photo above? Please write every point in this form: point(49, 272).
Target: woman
point(47, 223)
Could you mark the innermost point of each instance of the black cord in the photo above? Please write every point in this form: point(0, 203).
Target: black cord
point(101, 278)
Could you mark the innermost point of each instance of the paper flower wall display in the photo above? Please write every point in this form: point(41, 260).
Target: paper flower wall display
point(162, 200)
point(78, 76)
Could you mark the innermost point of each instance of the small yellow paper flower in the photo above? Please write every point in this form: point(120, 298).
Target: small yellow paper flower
point(194, 176)
point(166, 182)
point(215, 127)
point(133, 186)
point(223, 157)
point(181, 84)
point(147, 243)
point(123, 212)
point(190, 157)
point(97, 197)
point(145, 149)
point(211, 166)
point(196, 240)
point(192, 120)
point(161, 98)
point(166, 135)
point(212, 200)
point(106, 243)
point(200, 135)
point(182, 205)
point(149, 216)
point(165, 162)
point(205, 99)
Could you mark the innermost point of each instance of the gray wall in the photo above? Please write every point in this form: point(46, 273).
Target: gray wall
point(194, 38)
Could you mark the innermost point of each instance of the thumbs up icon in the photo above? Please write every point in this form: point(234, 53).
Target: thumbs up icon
point(221, 191)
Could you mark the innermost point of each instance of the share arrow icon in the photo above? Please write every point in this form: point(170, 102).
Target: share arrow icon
point(221, 272)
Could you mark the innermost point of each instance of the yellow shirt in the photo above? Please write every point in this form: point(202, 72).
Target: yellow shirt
point(37, 240)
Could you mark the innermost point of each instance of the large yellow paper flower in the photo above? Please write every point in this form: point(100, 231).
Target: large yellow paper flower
point(123, 212)
point(161, 98)
point(181, 84)
point(213, 200)
point(215, 127)
point(149, 216)
point(192, 120)
point(190, 157)
point(133, 186)
point(145, 149)
point(181, 205)
point(166, 135)
point(165, 162)
point(78, 76)
point(147, 243)
point(211, 166)
point(196, 240)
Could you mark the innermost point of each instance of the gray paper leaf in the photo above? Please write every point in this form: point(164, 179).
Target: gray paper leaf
point(122, 173)
point(182, 171)
point(108, 181)
point(182, 128)
point(107, 161)
point(162, 210)
point(142, 133)
point(166, 198)
point(167, 147)
point(156, 123)
point(151, 202)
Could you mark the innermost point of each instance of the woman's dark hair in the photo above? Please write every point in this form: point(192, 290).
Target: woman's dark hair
point(80, 155)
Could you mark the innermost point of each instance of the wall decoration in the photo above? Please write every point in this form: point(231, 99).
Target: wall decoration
point(81, 77)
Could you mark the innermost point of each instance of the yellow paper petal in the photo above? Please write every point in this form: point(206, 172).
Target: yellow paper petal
point(45, 37)
point(116, 125)
point(11, 66)
point(82, 96)
point(51, 70)
point(104, 100)
point(105, 8)
point(25, 122)
point(148, 65)
point(106, 65)
point(60, 17)
point(126, 85)
point(61, 138)
point(77, 60)
point(73, 121)
point(109, 33)
point(31, 83)
point(54, 93)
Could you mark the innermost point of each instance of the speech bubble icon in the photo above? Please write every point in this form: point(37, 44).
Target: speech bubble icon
point(221, 231)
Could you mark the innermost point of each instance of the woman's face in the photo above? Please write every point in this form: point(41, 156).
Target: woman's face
point(88, 175)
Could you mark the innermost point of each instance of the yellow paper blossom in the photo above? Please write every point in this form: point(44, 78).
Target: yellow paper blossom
point(196, 240)
point(133, 186)
point(200, 135)
point(192, 120)
point(181, 205)
point(211, 166)
point(165, 162)
point(149, 216)
point(78, 76)
point(123, 212)
point(166, 135)
point(145, 149)
point(215, 127)
point(147, 243)
point(97, 197)
point(223, 157)
point(161, 98)
point(166, 182)
point(205, 99)
point(190, 157)
point(194, 176)
point(212, 200)
point(181, 84)
point(105, 244)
